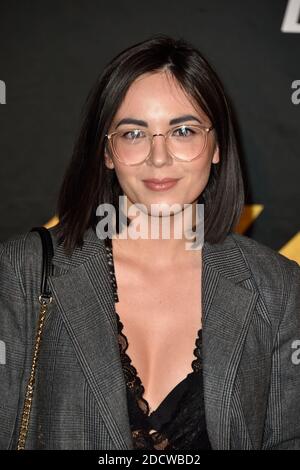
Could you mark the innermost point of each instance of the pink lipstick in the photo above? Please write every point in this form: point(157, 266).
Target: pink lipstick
point(160, 184)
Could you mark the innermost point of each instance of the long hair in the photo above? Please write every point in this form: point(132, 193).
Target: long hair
point(88, 182)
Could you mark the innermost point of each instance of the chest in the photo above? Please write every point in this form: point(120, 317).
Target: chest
point(161, 314)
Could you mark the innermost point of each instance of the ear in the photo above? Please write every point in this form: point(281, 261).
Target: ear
point(216, 155)
point(107, 159)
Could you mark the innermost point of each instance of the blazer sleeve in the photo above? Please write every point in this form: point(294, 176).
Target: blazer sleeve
point(12, 345)
point(282, 424)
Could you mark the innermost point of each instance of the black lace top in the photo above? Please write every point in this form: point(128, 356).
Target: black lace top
point(179, 421)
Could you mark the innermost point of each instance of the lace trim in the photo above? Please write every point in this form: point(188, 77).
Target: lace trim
point(111, 268)
point(141, 436)
point(132, 378)
point(144, 439)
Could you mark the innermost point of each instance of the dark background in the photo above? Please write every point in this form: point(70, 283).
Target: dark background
point(52, 52)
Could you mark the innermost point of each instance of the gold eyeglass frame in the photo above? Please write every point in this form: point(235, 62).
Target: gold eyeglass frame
point(151, 136)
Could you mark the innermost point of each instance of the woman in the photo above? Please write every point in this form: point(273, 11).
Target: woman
point(148, 343)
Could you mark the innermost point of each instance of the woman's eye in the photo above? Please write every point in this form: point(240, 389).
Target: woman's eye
point(130, 135)
point(183, 132)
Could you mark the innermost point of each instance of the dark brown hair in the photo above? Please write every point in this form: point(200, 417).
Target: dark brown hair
point(88, 182)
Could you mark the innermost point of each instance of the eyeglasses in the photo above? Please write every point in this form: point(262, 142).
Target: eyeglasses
point(134, 146)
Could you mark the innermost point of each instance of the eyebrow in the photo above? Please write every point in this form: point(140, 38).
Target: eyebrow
point(178, 120)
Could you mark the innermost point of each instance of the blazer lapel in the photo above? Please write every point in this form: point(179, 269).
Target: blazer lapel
point(85, 300)
point(227, 309)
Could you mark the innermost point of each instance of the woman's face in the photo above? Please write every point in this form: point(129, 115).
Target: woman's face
point(156, 99)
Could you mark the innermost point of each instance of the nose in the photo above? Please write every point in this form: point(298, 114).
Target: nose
point(159, 155)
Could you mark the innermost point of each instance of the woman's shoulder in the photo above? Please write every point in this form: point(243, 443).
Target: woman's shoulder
point(268, 266)
point(22, 244)
point(23, 251)
point(21, 259)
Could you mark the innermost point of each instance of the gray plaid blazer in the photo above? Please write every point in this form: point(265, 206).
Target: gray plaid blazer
point(251, 348)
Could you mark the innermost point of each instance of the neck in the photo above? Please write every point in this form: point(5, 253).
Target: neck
point(163, 241)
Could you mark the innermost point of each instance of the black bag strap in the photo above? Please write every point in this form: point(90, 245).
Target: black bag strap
point(47, 268)
point(45, 299)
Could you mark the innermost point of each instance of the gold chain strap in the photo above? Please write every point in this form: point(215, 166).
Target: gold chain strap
point(44, 302)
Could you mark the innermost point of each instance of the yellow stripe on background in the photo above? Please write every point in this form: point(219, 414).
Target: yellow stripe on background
point(52, 222)
point(292, 248)
point(250, 213)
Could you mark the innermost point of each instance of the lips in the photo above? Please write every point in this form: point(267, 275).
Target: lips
point(159, 181)
point(160, 184)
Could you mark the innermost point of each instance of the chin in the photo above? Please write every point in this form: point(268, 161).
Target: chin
point(160, 208)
